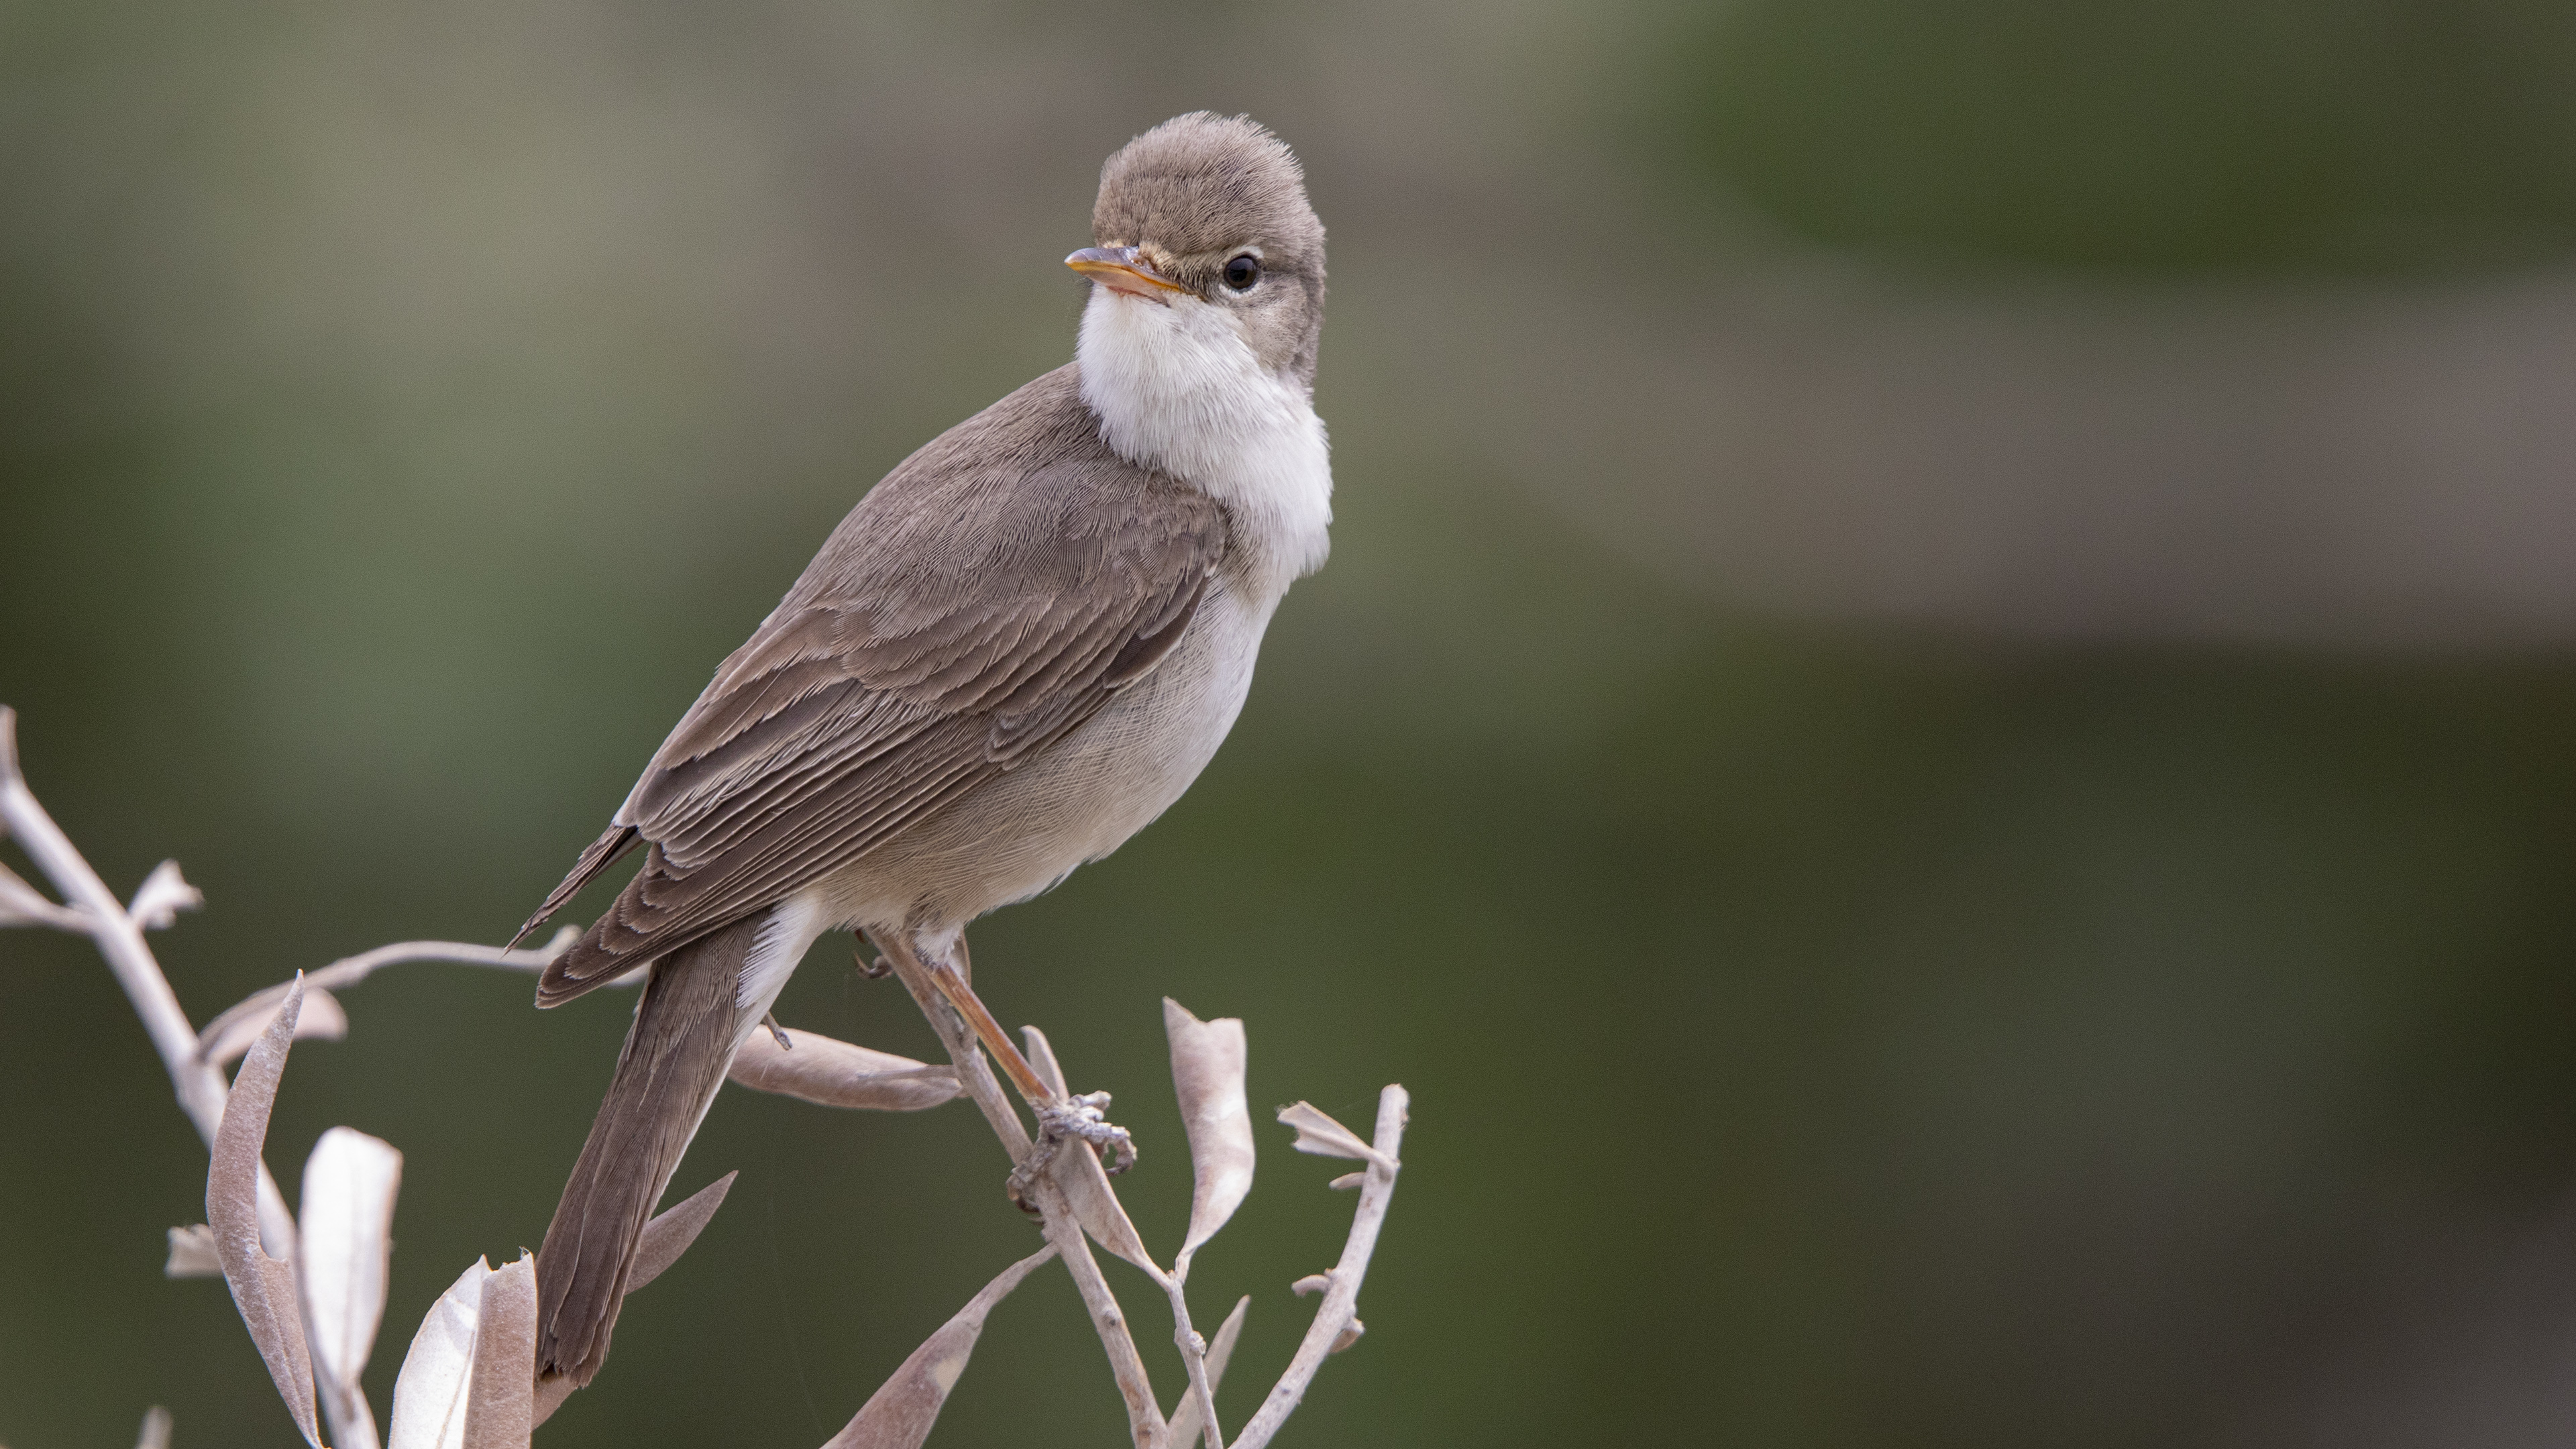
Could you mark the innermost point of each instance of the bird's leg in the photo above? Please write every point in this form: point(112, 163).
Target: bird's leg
point(980, 1021)
point(1059, 1117)
point(1085, 1117)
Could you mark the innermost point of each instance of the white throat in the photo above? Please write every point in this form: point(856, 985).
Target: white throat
point(1178, 389)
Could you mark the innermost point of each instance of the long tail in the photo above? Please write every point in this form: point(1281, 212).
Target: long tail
point(674, 1060)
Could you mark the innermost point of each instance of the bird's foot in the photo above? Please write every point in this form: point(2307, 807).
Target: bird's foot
point(1071, 1119)
point(1085, 1119)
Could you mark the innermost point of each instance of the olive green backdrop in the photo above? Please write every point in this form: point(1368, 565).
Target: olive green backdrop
point(1826, 1026)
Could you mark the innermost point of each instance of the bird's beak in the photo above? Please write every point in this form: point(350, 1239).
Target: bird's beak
point(1120, 269)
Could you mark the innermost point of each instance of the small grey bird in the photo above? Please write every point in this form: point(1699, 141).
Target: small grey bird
point(1017, 650)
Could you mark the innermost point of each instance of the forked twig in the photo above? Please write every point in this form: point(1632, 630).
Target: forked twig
point(201, 1086)
point(1144, 1416)
point(314, 1321)
point(1338, 1314)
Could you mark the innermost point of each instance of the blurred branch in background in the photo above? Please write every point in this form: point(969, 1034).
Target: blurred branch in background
point(311, 1290)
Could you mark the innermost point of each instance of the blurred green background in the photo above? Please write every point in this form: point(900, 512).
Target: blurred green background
point(1936, 740)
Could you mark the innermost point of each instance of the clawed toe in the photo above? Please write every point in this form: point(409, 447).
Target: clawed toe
point(1085, 1118)
point(1072, 1119)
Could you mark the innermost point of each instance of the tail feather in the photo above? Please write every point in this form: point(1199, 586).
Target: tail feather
point(674, 1061)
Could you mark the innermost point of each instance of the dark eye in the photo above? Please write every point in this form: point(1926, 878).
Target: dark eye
point(1242, 272)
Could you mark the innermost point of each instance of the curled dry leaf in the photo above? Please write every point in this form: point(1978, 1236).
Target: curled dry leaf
point(670, 1234)
point(263, 1288)
point(833, 1073)
point(162, 896)
point(1041, 1055)
point(438, 1372)
point(155, 1433)
point(1207, 1070)
point(1323, 1137)
point(500, 1408)
point(1220, 1352)
point(231, 1034)
point(899, 1414)
point(1077, 1170)
point(23, 905)
point(192, 1254)
point(346, 1229)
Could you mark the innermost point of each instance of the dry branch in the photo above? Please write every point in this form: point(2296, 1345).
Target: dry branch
point(1339, 1312)
point(247, 1017)
point(1144, 1416)
point(1187, 1422)
point(201, 1087)
point(313, 1307)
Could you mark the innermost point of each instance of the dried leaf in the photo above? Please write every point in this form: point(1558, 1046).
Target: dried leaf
point(162, 896)
point(430, 1392)
point(1207, 1069)
point(231, 1034)
point(192, 1254)
point(1324, 1137)
point(1185, 1419)
point(263, 1288)
point(1349, 1335)
point(1041, 1055)
point(155, 1433)
point(500, 1411)
point(832, 1073)
point(1221, 1348)
point(23, 905)
point(1077, 1170)
point(670, 1234)
point(899, 1414)
point(346, 1226)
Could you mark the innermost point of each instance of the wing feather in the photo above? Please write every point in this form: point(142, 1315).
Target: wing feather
point(988, 597)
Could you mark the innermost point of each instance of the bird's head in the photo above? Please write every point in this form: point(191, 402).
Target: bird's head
point(1204, 220)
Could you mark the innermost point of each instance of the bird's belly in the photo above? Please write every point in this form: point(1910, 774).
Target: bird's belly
point(1079, 799)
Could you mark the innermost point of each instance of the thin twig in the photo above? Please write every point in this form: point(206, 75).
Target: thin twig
point(1341, 1300)
point(201, 1087)
point(1144, 1416)
point(350, 970)
point(1193, 1358)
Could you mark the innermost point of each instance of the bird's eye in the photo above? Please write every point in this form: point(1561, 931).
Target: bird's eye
point(1242, 272)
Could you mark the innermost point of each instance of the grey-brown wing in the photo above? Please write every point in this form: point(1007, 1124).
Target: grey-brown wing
point(943, 636)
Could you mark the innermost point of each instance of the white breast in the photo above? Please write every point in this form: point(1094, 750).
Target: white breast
point(1177, 388)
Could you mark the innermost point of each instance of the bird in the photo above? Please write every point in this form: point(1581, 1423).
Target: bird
point(1016, 650)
